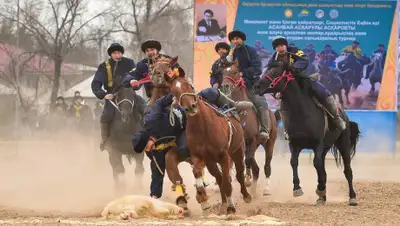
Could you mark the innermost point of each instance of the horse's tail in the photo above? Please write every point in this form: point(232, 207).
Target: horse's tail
point(354, 136)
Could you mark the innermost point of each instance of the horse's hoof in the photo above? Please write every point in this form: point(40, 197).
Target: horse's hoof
point(181, 201)
point(266, 191)
point(222, 209)
point(297, 193)
point(247, 199)
point(321, 194)
point(353, 202)
point(230, 210)
point(205, 205)
point(321, 202)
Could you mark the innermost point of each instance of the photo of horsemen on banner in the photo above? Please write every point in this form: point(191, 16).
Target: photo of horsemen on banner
point(343, 49)
point(352, 76)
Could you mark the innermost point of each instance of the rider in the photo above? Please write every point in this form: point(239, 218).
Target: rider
point(222, 49)
point(108, 75)
point(157, 125)
point(354, 49)
point(151, 48)
point(296, 61)
point(250, 70)
point(328, 55)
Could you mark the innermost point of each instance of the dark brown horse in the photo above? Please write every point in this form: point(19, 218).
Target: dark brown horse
point(160, 69)
point(211, 138)
point(233, 86)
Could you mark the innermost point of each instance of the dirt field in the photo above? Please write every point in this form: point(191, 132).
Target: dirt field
point(68, 183)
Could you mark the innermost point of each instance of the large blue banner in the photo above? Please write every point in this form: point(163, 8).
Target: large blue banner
point(346, 42)
point(303, 22)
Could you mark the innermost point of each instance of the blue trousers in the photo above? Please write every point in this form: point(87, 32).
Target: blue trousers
point(157, 179)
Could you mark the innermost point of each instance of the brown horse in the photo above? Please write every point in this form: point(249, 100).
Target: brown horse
point(211, 138)
point(233, 86)
point(160, 86)
point(172, 158)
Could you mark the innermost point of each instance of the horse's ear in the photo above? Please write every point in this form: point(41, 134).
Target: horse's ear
point(173, 61)
point(236, 63)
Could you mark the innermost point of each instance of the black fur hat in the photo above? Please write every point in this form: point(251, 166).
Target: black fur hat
point(237, 34)
point(222, 45)
point(151, 43)
point(115, 47)
point(279, 40)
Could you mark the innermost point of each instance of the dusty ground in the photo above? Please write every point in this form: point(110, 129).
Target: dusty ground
point(69, 182)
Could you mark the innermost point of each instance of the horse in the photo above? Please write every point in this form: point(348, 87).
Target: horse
point(233, 86)
point(212, 137)
point(126, 122)
point(376, 73)
point(172, 158)
point(335, 80)
point(310, 128)
point(348, 62)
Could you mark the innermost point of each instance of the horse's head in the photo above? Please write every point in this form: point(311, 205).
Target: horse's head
point(232, 78)
point(161, 67)
point(183, 92)
point(274, 80)
point(124, 103)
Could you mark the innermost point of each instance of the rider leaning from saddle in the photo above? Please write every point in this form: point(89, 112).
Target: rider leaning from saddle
point(108, 75)
point(294, 60)
point(250, 70)
point(157, 126)
point(216, 78)
point(144, 68)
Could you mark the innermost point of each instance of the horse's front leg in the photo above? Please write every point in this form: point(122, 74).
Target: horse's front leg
point(294, 162)
point(216, 173)
point(201, 196)
point(319, 164)
point(226, 183)
point(115, 159)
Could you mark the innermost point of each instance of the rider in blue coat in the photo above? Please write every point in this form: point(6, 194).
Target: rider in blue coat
point(296, 61)
point(151, 48)
point(107, 79)
point(222, 49)
point(250, 69)
point(157, 125)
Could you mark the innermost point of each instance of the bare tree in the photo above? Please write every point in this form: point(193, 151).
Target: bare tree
point(169, 21)
point(14, 69)
point(57, 27)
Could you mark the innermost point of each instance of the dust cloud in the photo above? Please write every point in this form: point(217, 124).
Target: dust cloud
point(67, 175)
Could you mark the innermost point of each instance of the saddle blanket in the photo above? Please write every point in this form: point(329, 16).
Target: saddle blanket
point(138, 206)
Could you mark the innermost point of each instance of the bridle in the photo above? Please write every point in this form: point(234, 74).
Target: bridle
point(237, 83)
point(116, 103)
point(288, 75)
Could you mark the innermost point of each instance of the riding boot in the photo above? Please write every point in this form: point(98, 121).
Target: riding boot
point(105, 134)
point(263, 117)
point(240, 105)
point(332, 108)
point(285, 122)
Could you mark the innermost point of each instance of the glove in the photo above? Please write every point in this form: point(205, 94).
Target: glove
point(134, 83)
point(229, 58)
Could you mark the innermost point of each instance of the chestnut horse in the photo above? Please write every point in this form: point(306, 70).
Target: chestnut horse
point(233, 86)
point(211, 138)
point(172, 158)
